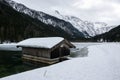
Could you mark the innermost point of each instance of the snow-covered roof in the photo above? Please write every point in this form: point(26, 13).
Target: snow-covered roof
point(46, 42)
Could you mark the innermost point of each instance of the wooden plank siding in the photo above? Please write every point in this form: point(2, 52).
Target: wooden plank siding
point(40, 59)
point(38, 52)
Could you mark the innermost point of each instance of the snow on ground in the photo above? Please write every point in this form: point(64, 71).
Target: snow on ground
point(85, 44)
point(102, 63)
point(81, 49)
point(9, 47)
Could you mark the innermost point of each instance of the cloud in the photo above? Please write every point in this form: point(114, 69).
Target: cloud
point(101, 10)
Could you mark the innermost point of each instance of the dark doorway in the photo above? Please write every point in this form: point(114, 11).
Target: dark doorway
point(55, 53)
point(60, 52)
point(65, 51)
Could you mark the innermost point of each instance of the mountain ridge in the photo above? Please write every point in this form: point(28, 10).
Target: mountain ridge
point(16, 26)
point(46, 18)
point(110, 36)
point(75, 25)
point(69, 27)
point(86, 27)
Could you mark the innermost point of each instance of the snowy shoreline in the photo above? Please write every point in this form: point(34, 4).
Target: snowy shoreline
point(102, 63)
point(9, 47)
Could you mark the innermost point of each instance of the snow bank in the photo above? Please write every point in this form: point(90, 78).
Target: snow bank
point(9, 47)
point(81, 49)
point(102, 63)
point(85, 44)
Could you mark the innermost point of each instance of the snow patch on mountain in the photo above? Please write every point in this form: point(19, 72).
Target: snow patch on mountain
point(86, 27)
point(46, 18)
point(76, 25)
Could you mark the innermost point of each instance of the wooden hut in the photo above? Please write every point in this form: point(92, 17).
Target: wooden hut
point(47, 50)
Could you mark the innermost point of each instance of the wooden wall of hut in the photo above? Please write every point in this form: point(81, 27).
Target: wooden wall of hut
point(38, 52)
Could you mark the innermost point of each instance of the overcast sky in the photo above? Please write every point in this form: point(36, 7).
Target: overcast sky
point(92, 10)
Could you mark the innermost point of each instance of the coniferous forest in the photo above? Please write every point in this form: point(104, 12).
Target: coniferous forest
point(112, 35)
point(15, 26)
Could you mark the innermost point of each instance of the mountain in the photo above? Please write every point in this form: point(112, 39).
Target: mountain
point(32, 23)
point(47, 19)
point(70, 24)
point(16, 26)
point(86, 27)
point(112, 35)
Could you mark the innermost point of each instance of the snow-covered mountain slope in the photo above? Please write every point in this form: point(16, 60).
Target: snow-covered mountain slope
point(104, 29)
point(101, 27)
point(71, 24)
point(102, 63)
point(110, 36)
point(86, 27)
point(47, 19)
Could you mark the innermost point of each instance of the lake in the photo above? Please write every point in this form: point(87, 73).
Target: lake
point(11, 63)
